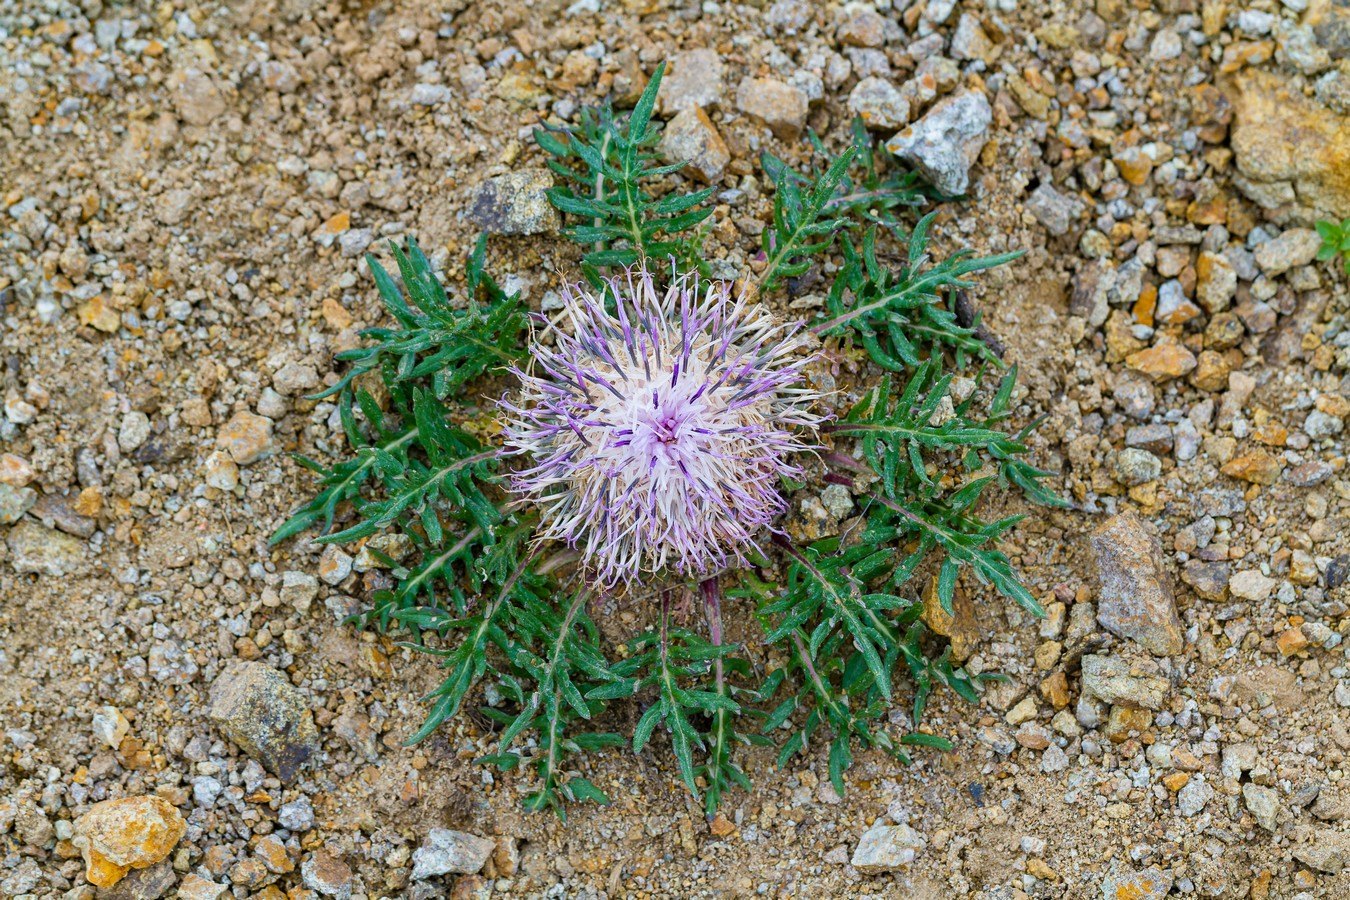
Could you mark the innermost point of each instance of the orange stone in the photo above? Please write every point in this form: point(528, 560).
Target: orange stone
point(720, 826)
point(89, 502)
point(15, 470)
point(337, 224)
point(336, 315)
point(1134, 165)
point(1145, 305)
point(117, 836)
point(1055, 689)
point(1176, 781)
point(1038, 869)
point(1162, 362)
point(1271, 433)
point(1257, 467)
point(96, 313)
point(960, 630)
point(1292, 641)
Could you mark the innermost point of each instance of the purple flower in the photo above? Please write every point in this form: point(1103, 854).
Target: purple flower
point(658, 434)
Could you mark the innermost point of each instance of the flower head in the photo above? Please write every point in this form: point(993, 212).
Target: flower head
point(658, 433)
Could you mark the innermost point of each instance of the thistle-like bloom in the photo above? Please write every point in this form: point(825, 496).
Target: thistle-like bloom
point(658, 433)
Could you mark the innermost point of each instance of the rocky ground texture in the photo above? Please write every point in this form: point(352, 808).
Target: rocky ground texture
point(186, 192)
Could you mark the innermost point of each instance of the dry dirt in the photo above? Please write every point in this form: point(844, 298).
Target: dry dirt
point(186, 193)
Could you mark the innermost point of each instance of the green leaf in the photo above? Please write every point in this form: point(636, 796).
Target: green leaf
point(608, 173)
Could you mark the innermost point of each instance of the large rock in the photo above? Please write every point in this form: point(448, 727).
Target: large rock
point(1121, 683)
point(887, 847)
point(944, 144)
point(880, 105)
point(446, 852)
point(1150, 884)
point(39, 550)
point(1292, 153)
point(691, 137)
point(779, 106)
point(198, 98)
point(1134, 593)
point(694, 80)
point(247, 437)
point(1263, 803)
point(116, 836)
point(259, 709)
point(1328, 852)
point(515, 203)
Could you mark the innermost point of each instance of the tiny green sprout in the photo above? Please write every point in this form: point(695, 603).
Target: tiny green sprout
point(1335, 242)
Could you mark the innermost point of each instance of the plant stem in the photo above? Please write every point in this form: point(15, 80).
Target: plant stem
point(712, 607)
point(600, 183)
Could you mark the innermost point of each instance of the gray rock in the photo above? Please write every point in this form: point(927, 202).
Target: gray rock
point(257, 707)
point(1294, 247)
point(885, 848)
point(38, 550)
point(1054, 759)
point(1192, 798)
point(837, 500)
point(21, 879)
point(205, 790)
point(279, 75)
point(692, 138)
point(298, 589)
point(295, 378)
point(327, 875)
point(879, 103)
point(970, 40)
point(1134, 592)
point(997, 740)
point(355, 241)
point(1327, 852)
point(1338, 572)
point(429, 94)
point(1166, 45)
point(1120, 683)
point(1236, 759)
point(1156, 437)
point(1092, 288)
point(168, 662)
point(1320, 424)
point(777, 105)
point(14, 502)
point(1134, 465)
point(1262, 803)
point(1134, 396)
point(694, 79)
point(1208, 579)
point(143, 884)
point(944, 144)
point(334, 565)
point(1150, 884)
point(297, 816)
point(134, 431)
point(446, 851)
point(1052, 209)
point(199, 100)
point(515, 203)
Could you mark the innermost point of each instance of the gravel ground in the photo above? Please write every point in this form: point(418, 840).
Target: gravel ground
point(186, 192)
